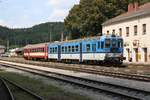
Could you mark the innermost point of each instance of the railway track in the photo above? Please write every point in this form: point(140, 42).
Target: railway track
point(6, 93)
point(96, 71)
point(127, 93)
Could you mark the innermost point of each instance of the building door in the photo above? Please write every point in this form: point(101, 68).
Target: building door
point(136, 55)
point(128, 51)
point(145, 54)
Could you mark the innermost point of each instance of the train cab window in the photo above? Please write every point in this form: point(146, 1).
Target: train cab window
point(99, 44)
point(73, 49)
point(102, 45)
point(77, 48)
point(94, 47)
point(107, 43)
point(69, 49)
point(120, 43)
point(50, 50)
point(114, 43)
point(88, 47)
point(53, 50)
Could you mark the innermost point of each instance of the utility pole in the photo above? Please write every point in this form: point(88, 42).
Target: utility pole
point(62, 37)
point(49, 32)
point(7, 45)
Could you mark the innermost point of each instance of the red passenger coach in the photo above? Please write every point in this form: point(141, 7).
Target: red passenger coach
point(35, 52)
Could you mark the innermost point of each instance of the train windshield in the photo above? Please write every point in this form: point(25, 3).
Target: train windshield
point(114, 42)
point(107, 43)
point(120, 43)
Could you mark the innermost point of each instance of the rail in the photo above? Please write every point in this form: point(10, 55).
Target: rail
point(127, 92)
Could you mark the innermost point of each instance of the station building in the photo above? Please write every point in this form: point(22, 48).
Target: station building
point(2, 49)
point(134, 27)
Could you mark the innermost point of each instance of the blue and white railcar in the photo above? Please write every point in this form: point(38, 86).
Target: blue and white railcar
point(91, 49)
point(70, 50)
point(54, 51)
point(106, 49)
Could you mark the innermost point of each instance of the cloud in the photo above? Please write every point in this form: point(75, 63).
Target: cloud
point(62, 3)
point(60, 8)
point(58, 15)
point(3, 23)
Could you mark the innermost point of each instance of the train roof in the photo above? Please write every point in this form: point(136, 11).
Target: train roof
point(85, 39)
point(69, 41)
point(36, 45)
point(78, 40)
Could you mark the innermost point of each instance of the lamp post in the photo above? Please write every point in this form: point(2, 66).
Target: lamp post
point(50, 27)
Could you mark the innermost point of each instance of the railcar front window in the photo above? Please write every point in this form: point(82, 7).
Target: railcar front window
point(107, 43)
point(113, 43)
point(120, 43)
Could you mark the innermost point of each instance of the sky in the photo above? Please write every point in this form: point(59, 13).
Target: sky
point(26, 13)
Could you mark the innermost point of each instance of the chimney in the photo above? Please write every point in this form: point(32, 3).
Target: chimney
point(136, 6)
point(130, 7)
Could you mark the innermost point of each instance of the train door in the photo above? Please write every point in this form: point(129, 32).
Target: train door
point(128, 51)
point(28, 54)
point(80, 52)
point(59, 53)
point(145, 54)
point(46, 52)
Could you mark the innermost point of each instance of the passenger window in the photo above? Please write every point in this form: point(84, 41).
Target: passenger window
point(94, 47)
point(55, 49)
point(69, 48)
point(88, 47)
point(77, 48)
point(102, 45)
point(62, 50)
point(72, 48)
point(66, 49)
point(107, 43)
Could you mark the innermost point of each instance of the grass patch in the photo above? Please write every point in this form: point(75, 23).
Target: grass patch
point(48, 92)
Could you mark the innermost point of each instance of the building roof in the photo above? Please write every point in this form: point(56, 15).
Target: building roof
point(140, 11)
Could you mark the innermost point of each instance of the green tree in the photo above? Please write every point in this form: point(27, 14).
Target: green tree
point(88, 15)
